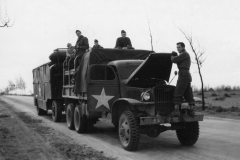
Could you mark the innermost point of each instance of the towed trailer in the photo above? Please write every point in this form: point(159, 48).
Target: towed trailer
point(129, 86)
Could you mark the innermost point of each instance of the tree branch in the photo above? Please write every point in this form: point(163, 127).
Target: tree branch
point(6, 20)
point(150, 34)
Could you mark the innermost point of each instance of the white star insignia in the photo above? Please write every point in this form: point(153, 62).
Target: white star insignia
point(102, 99)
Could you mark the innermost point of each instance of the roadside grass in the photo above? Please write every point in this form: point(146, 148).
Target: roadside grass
point(220, 103)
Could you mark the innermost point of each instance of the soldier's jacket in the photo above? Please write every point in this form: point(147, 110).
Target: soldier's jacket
point(97, 46)
point(123, 42)
point(81, 44)
point(183, 61)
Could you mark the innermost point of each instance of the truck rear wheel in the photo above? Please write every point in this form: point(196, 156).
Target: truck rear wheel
point(128, 131)
point(70, 116)
point(80, 121)
point(188, 134)
point(56, 111)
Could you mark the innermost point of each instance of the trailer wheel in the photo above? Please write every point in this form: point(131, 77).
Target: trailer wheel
point(70, 116)
point(56, 110)
point(128, 131)
point(80, 121)
point(188, 134)
point(40, 111)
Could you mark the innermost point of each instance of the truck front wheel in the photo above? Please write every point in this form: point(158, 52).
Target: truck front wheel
point(188, 134)
point(80, 121)
point(56, 111)
point(70, 116)
point(128, 131)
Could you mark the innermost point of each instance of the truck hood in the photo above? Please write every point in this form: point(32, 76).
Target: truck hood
point(156, 66)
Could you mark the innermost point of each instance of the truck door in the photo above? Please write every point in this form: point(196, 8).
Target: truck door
point(103, 88)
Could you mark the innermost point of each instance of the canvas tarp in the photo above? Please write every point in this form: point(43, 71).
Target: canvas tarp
point(103, 56)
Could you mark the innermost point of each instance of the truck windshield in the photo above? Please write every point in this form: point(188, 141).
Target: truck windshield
point(126, 70)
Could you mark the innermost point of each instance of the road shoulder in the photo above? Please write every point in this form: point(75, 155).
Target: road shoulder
point(23, 137)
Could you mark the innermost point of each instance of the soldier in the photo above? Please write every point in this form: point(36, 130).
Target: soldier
point(183, 87)
point(123, 42)
point(81, 46)
point(96, 45)
point(70, 54)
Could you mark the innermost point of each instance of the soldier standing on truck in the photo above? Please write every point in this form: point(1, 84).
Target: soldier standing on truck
point(123, 42)
point(70, 53)
point(81, 46)
point(183, 87)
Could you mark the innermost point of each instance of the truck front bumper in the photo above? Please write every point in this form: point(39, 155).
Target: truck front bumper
point(168, 119)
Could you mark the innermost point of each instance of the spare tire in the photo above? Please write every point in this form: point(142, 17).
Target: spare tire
point(58, 55)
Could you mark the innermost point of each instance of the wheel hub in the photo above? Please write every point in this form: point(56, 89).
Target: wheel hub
point(124, 132)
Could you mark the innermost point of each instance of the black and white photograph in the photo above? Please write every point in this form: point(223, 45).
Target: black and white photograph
point(119, 80)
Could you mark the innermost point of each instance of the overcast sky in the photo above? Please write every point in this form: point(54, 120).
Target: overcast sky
point(43, 25)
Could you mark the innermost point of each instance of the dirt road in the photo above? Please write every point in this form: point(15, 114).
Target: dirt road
point(219, 138)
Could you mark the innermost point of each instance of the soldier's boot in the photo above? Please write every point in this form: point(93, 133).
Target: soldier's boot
point(191, 111)
point(175, 112)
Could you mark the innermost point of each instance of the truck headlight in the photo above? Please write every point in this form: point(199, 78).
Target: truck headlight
point(145, 96)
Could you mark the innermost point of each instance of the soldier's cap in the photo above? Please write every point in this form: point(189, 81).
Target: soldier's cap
point(123, 31)
point(95, 40)
point(78, 31)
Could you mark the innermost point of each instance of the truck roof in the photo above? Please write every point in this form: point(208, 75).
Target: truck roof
point(42, 65)
point(124, 62)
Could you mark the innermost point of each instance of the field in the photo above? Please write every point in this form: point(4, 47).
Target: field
point(221, 103)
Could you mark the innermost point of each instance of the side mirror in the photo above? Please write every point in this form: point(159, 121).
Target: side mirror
point(175, 72)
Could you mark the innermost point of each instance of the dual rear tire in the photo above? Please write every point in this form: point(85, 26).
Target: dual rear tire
point(70, 116)
point(76, 120)
point(80, 121)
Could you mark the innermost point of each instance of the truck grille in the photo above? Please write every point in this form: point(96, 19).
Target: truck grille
point(164, 100)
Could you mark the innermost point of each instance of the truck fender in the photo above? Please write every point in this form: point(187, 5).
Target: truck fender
point(122, 104)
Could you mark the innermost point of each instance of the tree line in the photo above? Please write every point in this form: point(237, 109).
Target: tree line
point(18, 84)
point(217, 88)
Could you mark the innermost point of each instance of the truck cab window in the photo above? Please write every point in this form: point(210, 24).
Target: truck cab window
point(102, 73)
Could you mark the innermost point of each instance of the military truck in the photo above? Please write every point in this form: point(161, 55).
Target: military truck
point(128, 86)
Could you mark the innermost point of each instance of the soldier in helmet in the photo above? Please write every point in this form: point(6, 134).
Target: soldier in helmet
point(123, 42)
point(183, 87)
point(96, 45)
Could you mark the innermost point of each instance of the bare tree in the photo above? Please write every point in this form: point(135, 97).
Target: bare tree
point(6, 90)
point(11, 86)
point(17, 83)
point(198, 52)
point(150, 32)
point(23, 85)
point(5, 20)
point(20, 84)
